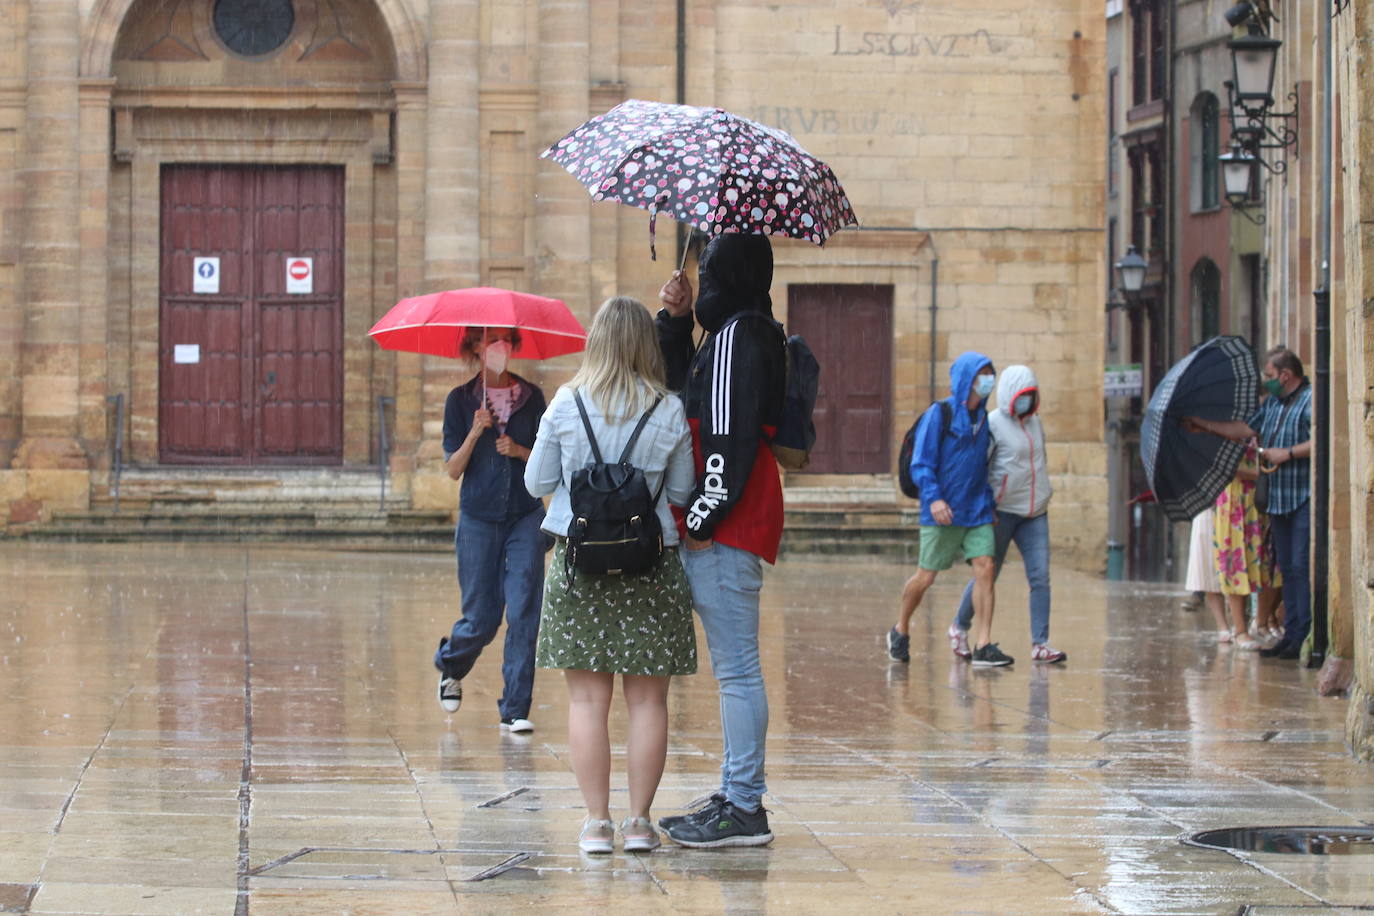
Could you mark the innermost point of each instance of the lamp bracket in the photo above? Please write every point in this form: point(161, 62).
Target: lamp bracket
point(1259, 127)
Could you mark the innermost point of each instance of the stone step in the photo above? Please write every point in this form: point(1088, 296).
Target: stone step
point(174, 486)
point(438, 538)
point(250, 517)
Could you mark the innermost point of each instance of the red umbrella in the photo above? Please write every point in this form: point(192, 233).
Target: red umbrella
point(434, 324)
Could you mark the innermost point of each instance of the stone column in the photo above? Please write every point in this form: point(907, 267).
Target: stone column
point(1355, 238)
point(452, 197)
point(50, 246)
point(562, 212)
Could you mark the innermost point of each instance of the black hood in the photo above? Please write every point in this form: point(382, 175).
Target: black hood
point(736, 271)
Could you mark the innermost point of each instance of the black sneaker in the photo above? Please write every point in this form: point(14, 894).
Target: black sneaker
point(898, 646)
point(989, 656)
point(703, 809)
point(728, 826)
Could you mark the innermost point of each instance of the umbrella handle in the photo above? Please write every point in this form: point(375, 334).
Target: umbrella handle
point(684, 254)
point(653, 225)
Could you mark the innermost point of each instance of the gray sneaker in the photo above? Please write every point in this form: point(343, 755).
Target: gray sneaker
point(989, 656)
point(728, 826)
point(898, 646)
point(703, 808)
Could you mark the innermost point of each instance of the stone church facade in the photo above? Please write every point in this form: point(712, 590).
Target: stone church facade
point(205, 204)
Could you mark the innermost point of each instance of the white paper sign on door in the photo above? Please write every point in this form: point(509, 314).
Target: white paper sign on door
point(206, 276)
point(186, 353)
point(300, 275)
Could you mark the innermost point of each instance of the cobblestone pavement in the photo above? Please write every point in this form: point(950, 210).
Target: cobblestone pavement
point(229, 730)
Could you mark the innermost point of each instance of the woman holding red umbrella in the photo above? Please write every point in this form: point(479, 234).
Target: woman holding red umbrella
point(489, 428)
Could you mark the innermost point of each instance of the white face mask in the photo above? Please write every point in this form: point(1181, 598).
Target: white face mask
point(983, 385)
point(1023, 404)
point(496, 355)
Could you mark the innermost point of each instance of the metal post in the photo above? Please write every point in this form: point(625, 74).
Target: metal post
point(118, 463)
point(934, 308)
point(383, 449)
point(1321, 437)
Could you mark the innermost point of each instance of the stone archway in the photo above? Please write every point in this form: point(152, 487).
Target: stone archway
point(322, 94)
point(101, 30)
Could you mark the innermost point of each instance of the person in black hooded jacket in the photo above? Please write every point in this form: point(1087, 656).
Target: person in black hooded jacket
point(732, 388)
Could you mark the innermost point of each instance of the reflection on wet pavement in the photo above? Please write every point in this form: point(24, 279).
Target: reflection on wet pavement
point(212, 729)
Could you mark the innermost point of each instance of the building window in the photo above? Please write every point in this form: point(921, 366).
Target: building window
point(1148, 211)
point(1206, 301)
point(1205, 140)
point(1148, 64)
point(254, 27)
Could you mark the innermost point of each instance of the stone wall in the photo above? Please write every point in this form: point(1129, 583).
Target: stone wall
point(1353, 324)
point(966, 132)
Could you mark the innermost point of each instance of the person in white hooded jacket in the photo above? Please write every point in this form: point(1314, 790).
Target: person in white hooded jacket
point(1021, 486)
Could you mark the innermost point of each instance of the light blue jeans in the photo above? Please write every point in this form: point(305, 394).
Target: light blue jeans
point(500, 568)
point(725, 589)
point(1032, 537)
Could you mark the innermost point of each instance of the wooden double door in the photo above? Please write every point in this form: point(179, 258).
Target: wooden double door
point(849, 328)
point(251, 329)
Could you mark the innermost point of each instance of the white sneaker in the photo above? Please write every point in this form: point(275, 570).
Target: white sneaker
point(958, 641)
point(517, 726)
point(450, 693)
point(597, 837)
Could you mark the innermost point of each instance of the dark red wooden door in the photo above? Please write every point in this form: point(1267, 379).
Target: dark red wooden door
point(251, 373)
point(849, 327)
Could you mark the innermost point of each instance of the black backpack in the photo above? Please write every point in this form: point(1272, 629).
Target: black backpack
point(796, 433)
point(909, 487)
point(615, 528)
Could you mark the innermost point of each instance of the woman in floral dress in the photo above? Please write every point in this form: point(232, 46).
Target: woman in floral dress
point(1239, 539)
point(638, 626)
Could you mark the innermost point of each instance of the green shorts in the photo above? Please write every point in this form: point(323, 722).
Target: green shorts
point(940, 543)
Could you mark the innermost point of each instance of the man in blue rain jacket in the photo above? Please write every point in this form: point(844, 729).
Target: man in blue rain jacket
point(950, 465)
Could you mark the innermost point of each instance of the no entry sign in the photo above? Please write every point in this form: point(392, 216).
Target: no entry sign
point(300, 275)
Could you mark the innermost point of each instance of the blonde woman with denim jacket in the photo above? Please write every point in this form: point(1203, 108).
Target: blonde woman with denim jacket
point(638, 626)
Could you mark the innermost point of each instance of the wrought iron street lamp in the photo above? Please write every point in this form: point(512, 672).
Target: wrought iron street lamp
point(1131, 271)
point(1130, 279)
point(1253, 58)
point(1238, 174)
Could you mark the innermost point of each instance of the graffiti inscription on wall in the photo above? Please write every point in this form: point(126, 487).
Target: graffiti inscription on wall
point(915, 44)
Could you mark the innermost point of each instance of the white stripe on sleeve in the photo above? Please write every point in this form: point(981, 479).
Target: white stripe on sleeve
point(720, 382)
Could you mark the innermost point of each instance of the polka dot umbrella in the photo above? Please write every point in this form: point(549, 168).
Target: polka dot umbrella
point(707, 168)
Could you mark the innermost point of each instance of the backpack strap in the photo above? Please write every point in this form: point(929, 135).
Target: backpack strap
point(634, 436)
point(587, 425)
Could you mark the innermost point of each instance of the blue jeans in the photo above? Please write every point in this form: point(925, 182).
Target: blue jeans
point(500, 567)
point(1032, 537)
point(1292, 533)
point(725, 589)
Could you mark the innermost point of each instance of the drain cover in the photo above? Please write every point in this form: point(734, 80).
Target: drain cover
point(1312, 841)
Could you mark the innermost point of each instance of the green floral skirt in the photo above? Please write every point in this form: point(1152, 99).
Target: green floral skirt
point(618, 624)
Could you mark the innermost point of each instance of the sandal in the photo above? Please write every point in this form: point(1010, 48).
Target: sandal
point(639, 835)
point(597, 836)
point(1224, 635)
point(1247, 643)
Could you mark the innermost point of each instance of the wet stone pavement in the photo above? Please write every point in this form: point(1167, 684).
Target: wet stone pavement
point(230, 730)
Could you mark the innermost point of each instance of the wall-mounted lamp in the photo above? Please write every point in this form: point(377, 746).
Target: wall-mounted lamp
point(1238, 168)
point(1130, 273)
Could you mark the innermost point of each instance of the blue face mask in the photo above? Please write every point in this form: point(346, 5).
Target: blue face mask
point(983, 385)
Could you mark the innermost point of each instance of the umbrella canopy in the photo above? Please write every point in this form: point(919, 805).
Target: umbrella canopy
point(1187, 471)
point(707, 168)
point(435, 323)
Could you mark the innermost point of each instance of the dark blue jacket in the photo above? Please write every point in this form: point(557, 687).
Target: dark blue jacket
point(954, 466)
point(493, 485)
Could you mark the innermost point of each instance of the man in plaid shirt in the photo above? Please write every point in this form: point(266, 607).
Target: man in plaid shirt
point(1284, 424)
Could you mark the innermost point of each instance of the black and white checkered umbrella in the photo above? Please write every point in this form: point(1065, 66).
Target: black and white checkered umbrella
point(1187, 471)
